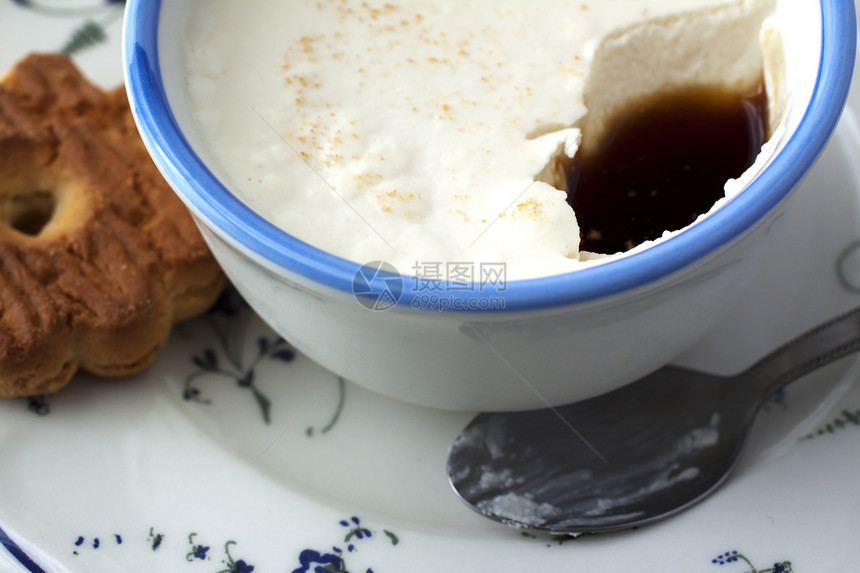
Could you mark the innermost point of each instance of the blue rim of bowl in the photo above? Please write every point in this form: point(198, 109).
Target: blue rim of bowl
point(210, 200)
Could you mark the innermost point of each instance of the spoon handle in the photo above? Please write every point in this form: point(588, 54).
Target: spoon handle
point(831, 341)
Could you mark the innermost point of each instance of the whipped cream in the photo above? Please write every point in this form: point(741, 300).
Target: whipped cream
point(429, 132)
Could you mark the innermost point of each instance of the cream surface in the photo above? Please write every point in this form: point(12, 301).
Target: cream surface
point(425, 133)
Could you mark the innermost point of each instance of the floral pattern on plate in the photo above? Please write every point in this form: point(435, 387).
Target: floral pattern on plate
point(334, 559)
point(98, 17)
point(236, 453)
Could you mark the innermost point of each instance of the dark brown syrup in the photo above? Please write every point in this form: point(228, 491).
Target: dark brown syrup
point(663, 162)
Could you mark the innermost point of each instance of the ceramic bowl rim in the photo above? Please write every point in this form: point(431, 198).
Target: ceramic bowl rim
point(236, 223)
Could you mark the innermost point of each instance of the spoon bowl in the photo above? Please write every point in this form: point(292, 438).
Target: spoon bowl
point(635, 455)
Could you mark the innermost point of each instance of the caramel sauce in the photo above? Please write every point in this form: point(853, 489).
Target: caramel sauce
point(663, 162)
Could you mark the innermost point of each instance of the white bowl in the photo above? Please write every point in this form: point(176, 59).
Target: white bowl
point(557, 339)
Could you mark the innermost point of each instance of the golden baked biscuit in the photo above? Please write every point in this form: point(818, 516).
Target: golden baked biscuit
point(98, 257)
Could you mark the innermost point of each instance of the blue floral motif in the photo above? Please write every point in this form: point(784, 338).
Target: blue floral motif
point(316, 562)
point(334, 560)
point(67, 11)
point(357, 531)
point(242, 567)
point(155, 539)
point(235, 565)
point(846, 419)
point(198, 550)
point(95, 544)
point(727, 557)
point(90, 32)
point(734, 556)
point(227, 320)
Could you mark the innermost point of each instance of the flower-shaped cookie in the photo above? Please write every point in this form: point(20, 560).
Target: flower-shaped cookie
point(98, 257)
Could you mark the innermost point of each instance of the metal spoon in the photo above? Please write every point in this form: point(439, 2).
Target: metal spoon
point(633, 456)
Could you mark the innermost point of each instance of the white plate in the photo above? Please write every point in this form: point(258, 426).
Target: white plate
point(177, 469)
